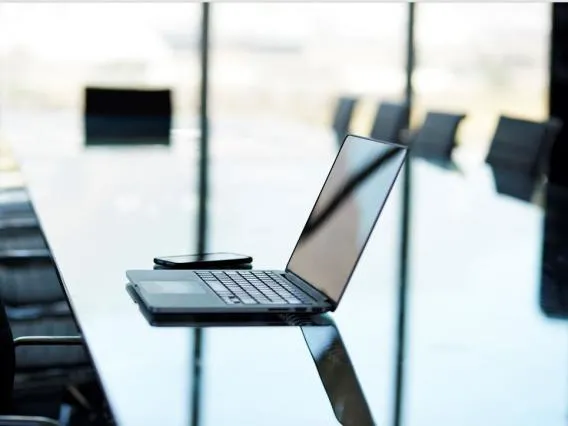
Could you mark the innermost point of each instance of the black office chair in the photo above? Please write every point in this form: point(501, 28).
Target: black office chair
point(16, 208)
point(31, 286)
point(17, 219)
point(11, 197)
point(342, 117)
point(390, 120)
point(520, 145)
point(27, 273)
point(436, 138)
point(16, 211)
point(127, 116)
point(49, 376)
point(19, 234)
point(28, 280)
point(14, 222)
point(8, 347)
point(36, 306)
point(514, 184)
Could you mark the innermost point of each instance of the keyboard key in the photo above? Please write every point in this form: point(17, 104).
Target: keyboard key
point(271, 295)
point(217, 286)
point(257, 295)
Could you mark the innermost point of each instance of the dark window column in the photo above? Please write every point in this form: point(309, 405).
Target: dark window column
point(559, 91)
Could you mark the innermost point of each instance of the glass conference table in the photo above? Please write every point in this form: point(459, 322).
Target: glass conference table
point(486, 323)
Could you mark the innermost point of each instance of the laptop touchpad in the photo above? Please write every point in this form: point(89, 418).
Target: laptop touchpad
point(172, 287)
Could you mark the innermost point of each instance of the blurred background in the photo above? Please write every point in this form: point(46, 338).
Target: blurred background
point(278, 65)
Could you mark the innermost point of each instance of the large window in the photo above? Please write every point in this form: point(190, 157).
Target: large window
point(482, 60)
point(277, 65)
point(283, 66)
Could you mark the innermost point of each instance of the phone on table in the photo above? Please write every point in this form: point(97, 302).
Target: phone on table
point(204, 260)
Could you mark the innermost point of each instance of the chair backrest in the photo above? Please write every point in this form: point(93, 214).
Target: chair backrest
point(127, 116)
point(342, 116)
point(31, 282)
point(436, 138)
point(390, 119)
point(518, 144)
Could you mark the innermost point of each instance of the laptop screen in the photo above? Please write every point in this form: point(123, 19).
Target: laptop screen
point(345, 213)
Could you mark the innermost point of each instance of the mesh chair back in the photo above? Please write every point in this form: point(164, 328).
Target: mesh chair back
point(518, 145)
point(342, 117)
point(390, 119)
point(437, 137)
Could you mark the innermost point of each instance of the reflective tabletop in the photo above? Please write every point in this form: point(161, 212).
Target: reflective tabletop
point(486, 337)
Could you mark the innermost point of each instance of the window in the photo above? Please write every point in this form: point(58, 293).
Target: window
point(483, 60)
point(284, 65)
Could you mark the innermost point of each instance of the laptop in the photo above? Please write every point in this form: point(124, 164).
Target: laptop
point(322, 262)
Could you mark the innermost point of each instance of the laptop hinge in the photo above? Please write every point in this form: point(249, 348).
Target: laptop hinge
point(324, 296)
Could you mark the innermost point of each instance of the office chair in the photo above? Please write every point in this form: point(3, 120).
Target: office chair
point(390, 119)
point(17, 219)
point(15, 206)
point(28, 280)
point(8, 347)
point(436, 138)
point(127, 116)
point(47, 376)
point(514, 184)
point(520, 145)
point(342, 117)
point(16, 210)
point(27, 273)
point(18, 235)
point(31, 286)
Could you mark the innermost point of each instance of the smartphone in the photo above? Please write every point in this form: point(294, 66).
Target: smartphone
point(204, 260)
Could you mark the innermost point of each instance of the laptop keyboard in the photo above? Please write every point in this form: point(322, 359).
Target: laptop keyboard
point(253, 287)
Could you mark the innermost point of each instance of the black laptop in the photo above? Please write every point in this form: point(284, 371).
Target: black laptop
point(322, 262)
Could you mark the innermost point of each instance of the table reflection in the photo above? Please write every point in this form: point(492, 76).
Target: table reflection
point(323, 341)
point(337, 374)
